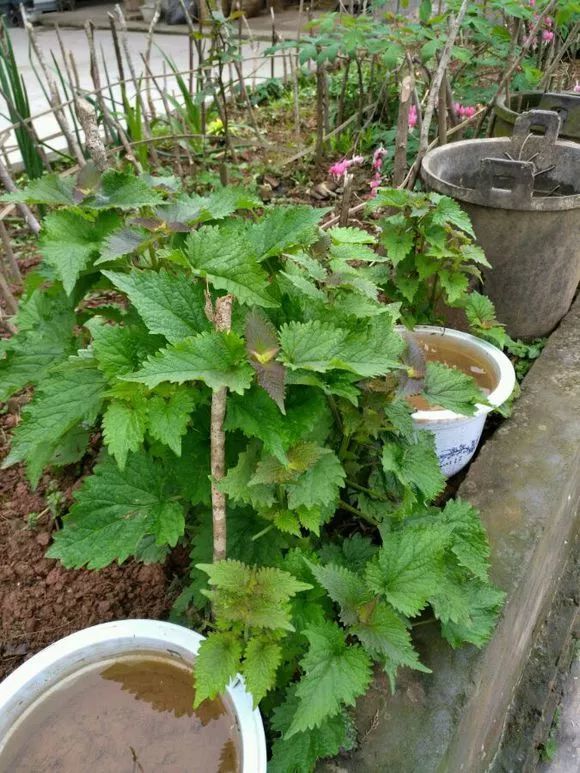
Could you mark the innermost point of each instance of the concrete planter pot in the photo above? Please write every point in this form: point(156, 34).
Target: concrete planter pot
point(64, 658)
point(566, 104)
point(457, 436)
point(523, 197)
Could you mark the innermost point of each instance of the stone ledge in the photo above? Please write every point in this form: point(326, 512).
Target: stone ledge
point(526, 483)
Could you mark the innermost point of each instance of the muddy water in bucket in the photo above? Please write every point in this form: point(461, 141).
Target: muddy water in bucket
point(447, 351)
point(127, 715)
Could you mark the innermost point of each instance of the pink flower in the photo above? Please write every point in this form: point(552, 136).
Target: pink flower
point(469, 111)
point(547, 36)
point(378, 157)
point(413, 117)
point(340, 167)
point(576, 88)
point(532, 3)
point(548, 21)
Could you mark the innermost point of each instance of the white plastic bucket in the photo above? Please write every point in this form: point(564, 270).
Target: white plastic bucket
point(457, 436)
point(30, 682)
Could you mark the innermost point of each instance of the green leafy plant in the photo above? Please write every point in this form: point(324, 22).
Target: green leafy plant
point(431, 257)
point(247, 382)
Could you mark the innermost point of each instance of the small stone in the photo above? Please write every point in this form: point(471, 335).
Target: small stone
point(43, 538)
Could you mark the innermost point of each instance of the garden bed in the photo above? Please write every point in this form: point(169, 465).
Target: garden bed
point(526, 482)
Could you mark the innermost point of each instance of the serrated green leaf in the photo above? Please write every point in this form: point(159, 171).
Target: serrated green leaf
point(71, 393)
point(319, 485)
point(351, 236)
point(282, 228)
point(344, 587)
point(335, 674)
point(408, 567)
point(385, 636)
point(69, 242)
point(224, 256)
point(171, 305)
point(261, 661)
point(48, 189)
point(123, 190)
point(397, 239)
point(485, 604)
point(168, 417)
point(116, 349)
point(320, 346)
point(124, 428)
point(113, 511)
point(121, 242)
point(300, 753)
point(217, 661)
point(415, 465)
point(447, 210)
point(469, 540)
point(216, 358)
point(450, 388)
point(236, 483)
point(168, 523)
point(454, 283)
point(255, 596)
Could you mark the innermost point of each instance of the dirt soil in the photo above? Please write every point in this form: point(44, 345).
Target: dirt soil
point(40, 601)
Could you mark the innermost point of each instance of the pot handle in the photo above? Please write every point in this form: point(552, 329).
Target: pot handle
point(504, 176)
point(522, 135)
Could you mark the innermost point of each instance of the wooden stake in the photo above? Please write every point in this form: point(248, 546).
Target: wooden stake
point(93, 140)
point(222, 322)
point(402, 135)
point(24, 209)
point(9, 254)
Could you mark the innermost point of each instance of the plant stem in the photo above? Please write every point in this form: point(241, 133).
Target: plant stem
point(358, 513)
point(222, 322)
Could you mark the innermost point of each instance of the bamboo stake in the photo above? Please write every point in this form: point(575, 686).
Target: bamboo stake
point(54, 96)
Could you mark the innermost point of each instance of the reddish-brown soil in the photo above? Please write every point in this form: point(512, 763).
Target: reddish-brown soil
point(40, 601)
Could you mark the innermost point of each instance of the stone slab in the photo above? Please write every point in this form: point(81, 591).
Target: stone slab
point(526, 483)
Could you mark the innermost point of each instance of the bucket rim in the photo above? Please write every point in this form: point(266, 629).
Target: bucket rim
point(129, 633)
point(499, 199)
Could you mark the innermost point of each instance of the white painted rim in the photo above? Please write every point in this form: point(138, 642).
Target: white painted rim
point(49, 666)
point(503, 370)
